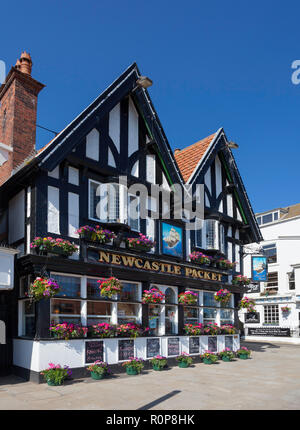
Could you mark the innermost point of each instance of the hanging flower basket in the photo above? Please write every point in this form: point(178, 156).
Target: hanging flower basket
point(154, 295)
point(240, 280)
point(96, 234)
point(246, 303)
point(68, 331)
point(109, 287)
point(141, 243)
point(222, 296)
point(200, 258)
point(188, 298)
point(54, 246)
point(43, 288)
point(225, 264)
point(285, 309)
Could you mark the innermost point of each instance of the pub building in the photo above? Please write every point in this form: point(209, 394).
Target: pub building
point(55, 191)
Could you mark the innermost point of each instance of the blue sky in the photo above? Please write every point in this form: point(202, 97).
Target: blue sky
point(214, 64)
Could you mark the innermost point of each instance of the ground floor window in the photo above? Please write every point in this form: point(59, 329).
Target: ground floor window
point(65, 311)
point(28, 320)
point(271, 314)
point(128, 312)
point(98, 312)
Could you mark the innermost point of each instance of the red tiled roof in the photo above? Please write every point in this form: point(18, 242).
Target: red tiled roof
point(188, 158)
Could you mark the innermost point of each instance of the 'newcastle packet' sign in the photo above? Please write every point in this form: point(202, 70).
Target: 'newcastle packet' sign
point(157, 266)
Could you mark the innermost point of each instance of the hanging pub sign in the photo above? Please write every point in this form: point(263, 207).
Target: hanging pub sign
point(153, 347)
point(126, 349)
point(171, 239)
point(93, 351)
point(259, 269)
point(252, 288)
point(252, 317)
point(173, 346)
point(194, 345)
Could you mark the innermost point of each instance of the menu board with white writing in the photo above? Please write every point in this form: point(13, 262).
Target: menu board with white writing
point(173, 346)
point(229, 342)
point(194, 345)
point(126, 349)
point(93, 351)
point(153, 347)
point(212, 343)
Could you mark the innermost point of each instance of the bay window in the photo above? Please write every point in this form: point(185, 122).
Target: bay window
point(104, 201)
point(215, 235)
point(65, 311)
point(98, 312)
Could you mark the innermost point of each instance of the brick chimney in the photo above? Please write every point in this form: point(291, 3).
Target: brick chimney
point(18, 110)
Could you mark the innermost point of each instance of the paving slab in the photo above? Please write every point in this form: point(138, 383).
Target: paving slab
point(270, 380)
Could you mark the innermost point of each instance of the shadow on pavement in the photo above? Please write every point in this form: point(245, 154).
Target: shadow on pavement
point(259, 346)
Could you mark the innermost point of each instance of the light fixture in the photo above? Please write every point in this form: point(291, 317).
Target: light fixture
point(143, 82)
point(232, 145)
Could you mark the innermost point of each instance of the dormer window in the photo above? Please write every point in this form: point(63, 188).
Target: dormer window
point(267, 218)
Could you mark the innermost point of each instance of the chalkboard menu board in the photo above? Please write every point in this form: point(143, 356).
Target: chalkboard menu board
point(194, 345)
point(173, 346)
point(153, 347)
point(252, 317)
point(93, 351)
point(212, 343)
point(126, 349)
point(229, 342)
point(269, 331)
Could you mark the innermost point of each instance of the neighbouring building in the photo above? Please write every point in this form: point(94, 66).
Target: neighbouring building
point(278, 299)
point(54, 191)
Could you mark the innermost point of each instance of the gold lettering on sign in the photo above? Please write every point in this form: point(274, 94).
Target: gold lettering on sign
point(139, 263)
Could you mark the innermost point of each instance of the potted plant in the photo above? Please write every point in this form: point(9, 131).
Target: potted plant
point(154, 295)
point(55, 246)
point(109, 287)
point(222, 263)
point(243, 353)
point(285, 309)
point(131, 330)
point(209, 357)
point(200, 258)
point(246, 303)
point(222, 296)
point(102, 330)
point(96, 234)
point(99, 369)
point(68, 330)
point(133, 366)
point(43, 288)
point(158, 362)
point(228, 329)
point(226, 355)
point(184, 360)
point(141, 243)
point(193, 330)
point(188, 298)
point(55, 374)
point(240, 280)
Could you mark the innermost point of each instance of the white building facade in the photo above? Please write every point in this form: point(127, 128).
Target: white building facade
point(280, 229)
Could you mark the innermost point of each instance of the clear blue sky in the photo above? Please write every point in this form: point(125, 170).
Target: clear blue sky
point(213, 63)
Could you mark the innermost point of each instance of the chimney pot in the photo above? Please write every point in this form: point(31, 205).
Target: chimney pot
point(25, 63)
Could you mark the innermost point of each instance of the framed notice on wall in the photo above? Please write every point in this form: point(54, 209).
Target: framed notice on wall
point(173, 346)
point(93, 351)
point(126, 349)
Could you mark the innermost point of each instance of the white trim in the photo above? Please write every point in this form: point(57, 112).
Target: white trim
point(6, 147)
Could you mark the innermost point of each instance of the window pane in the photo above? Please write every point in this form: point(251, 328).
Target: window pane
point(258, 220)
point(275, 216)
point(209, 313)
point(134, 212)
point(93, 290)
point(191, 315)
point(94, 200)
point(127, 309)
point(58, 319)
point(65, 307)
point(154, 315)
point(226, 315)
point(170, 296)
point(129, 291)
point(98, 308)
point(208, 299)
point(267, 218)
point(69, 285)
point(29, 318)
point(98, 320)
point(170, 319)
point(271, 253)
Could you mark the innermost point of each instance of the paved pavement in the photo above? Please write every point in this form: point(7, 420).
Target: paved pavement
point(270, 380)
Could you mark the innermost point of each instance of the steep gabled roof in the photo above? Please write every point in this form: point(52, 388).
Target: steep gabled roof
point(189, 157)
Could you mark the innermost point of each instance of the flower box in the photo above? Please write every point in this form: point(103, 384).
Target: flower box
point(200, 258)
point(158, 362)
point(68, 331)
point(140, 244)
point(243, 353)
point(49, 245)
point(225, 264)
point(96, 234)
point(209, 357)
point(240, 280)
point(184, 360)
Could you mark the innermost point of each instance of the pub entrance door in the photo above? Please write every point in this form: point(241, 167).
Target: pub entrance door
point(5, 341)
